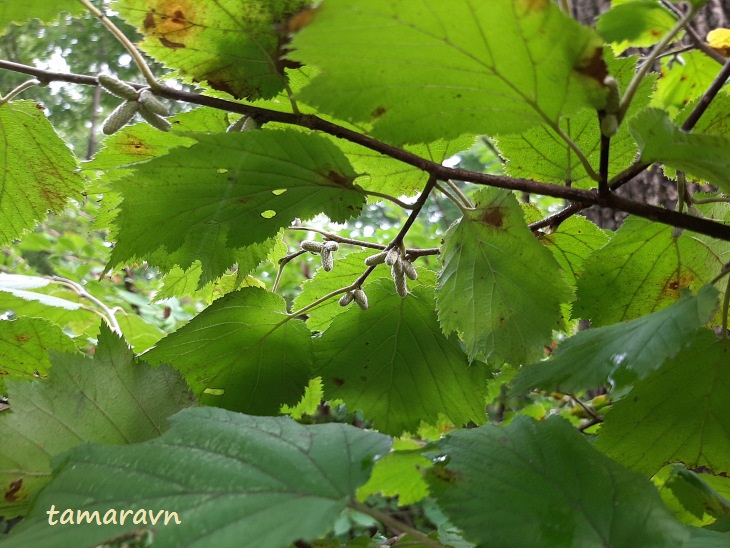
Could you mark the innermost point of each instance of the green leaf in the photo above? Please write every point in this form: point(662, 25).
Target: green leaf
point(639, 24)
point(39, 170)
point(230, 46)
point(429, 71)
point(693, 493)
point(243, 352)
point(109, 398)
point(21, 12)
point(703, 156)
point(229, 191)
point(542, 484)
point(24, 345)
point(715, 120)
point(313, 396)
point(621, 353)
point(392, 362)
point(571, 244)
point(139, 334)
point(231, 478)
point(399, 474)
point(680, 413)
point(539, 153)
point(643, 269)
point(178, 283)
point(488, 288)
point(684, 79)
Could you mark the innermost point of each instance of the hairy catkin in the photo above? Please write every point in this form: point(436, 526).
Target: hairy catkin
point(119, 117)
point(117, 87)
point(154, 119)
point(360, 298)
point(152, 103)
point(409, 269)
point(376, 259)
point(347, 298)
point(399, 278)
point(328, 260)
point(312, 246)
point(331, 246)
point(392, 257)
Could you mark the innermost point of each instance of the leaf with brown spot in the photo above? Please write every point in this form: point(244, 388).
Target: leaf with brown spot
point(38, 172)
point(232, 46)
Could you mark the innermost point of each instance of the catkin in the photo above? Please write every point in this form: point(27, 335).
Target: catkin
point(152, 103)
point(119, 117)
point(153, 119)
point(376, 259)
point(117, 87)
point(312, 246)
point(392, 257)
point(360, 298)
point(347, 298)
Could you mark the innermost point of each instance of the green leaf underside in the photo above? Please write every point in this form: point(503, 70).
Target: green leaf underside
point(245, 346)
point(21, 12)
point(37, 169)
point(426, 71)
point(488, 290)
point(540, 154)
point(180, 283)
point(636, 273)
point(108, 399)
point(640, 24)
point(392, 362)
point(701, 156)
point(682, 82)
point(399, 473)
point(574, 240)
point(680, 413)
point(229, 191)
point(24, 345)
point(233, 50)
point(542, 484)
point(228, 476)
point(621, 353)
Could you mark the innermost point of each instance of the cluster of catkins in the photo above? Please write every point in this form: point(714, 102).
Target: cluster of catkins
point(400, 268)
point(142, 101)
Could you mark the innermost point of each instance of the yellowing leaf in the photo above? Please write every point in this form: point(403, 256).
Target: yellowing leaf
point(719, 40)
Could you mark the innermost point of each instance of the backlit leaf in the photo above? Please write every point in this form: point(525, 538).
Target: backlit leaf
point(488, 288)
point(20, 12)
point(38, 170)
point(680, 413)
point(242, 352)
point(392, 362)
point(426, 71)
point(639, 23)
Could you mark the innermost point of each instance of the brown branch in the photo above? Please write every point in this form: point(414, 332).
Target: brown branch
point(434, 169)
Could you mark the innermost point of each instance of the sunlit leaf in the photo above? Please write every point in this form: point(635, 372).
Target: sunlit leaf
point(639, 23)
point(21, 12)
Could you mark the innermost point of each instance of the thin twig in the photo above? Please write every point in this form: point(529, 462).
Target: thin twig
point(354, 285)
point(718, 199)
point(707, 97)
point(129, 46)
point(282, 263)
point(649, 62)
point(584, 406)
point(672, 218)
point(725, 309)
point(457, 202)
point(697, 40)
point(398, 240)
point(18, 90)
point(111, 320)
point(464, 198)
point(395, 524)
point(396, 201)
point(603, 188)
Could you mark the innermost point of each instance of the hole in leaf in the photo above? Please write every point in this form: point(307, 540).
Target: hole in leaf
point(268, 214)
point(222, 170)
point(278, 192)
point(214, 391)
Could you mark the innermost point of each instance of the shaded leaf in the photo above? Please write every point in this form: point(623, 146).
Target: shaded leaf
point(17, 12)
point(39, 170)
point(392, 362)
point(542, 484)
point(680, 413)
point(109, 398)
point(621, 353)
point(574, 240)
point(488, 289)
point(683, 81)
point(228, 476)
point(243, 352)
point(427, 71)
point(639, 24)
